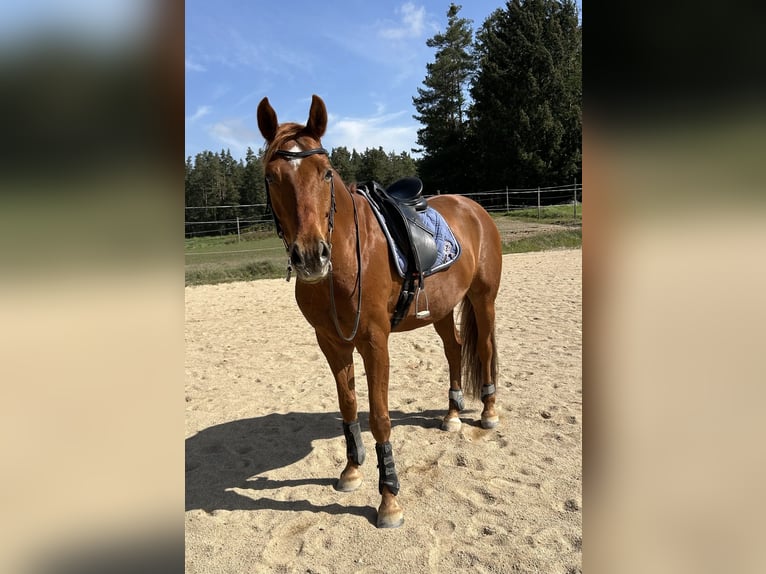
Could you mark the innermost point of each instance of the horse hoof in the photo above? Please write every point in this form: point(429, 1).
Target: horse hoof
point(392, 519)
point(489, 422)
point(452, 424)
point(348, 484)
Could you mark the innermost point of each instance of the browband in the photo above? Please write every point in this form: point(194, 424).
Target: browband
point(300, 154)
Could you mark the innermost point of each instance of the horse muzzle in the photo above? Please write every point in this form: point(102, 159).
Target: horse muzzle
point(311, 264)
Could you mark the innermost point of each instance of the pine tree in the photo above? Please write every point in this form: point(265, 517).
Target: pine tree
point(192, 195)
point(401, 165)
point(527, 111)
point(227, 184)
point(441, 105)
point(375, 166)
point(356, 165)
point(252, 187)
point(340, 158)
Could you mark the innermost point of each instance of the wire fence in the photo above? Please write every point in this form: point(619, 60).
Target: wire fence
point(507, 200)
point(236, 219)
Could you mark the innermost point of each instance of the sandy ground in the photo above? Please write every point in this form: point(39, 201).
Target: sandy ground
point(264, 440)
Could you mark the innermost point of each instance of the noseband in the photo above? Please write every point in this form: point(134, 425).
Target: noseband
point(291, 155)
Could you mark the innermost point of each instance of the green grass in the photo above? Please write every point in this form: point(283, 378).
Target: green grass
point(261, 255)
point(564, 239)
point(558, 214)
point(212, 274)
point(224, 259)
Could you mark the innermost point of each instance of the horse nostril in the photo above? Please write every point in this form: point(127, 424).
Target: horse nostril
point(295, 256)
point(324, 251)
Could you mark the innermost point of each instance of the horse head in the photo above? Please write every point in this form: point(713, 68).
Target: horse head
point(299, 183)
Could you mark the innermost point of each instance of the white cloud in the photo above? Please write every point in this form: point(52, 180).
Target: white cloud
point(193, 66)
point(235, 135)
point(201, 112)
point(411, 26)
point(259, 54)
point(390, 131)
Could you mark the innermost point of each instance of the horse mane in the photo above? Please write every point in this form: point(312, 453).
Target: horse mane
point(285, 132)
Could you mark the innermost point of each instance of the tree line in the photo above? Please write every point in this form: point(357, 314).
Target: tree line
point(216, 179)
point(499, 107)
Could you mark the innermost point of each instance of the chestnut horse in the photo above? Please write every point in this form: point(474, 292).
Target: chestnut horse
point(347, 288)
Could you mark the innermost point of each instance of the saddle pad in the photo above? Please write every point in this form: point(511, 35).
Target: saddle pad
point(447, 246)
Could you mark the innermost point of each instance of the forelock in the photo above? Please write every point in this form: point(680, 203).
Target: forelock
point(285, 132)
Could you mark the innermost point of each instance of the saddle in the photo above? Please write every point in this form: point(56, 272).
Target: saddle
point(398, 208)
point(400, 204)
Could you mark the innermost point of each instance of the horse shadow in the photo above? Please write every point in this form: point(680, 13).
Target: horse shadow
point(226, 456)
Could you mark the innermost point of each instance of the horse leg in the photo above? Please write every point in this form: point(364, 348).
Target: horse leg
point(486, 347)
point(341, 361)
point(374, 351)
point(446, 330)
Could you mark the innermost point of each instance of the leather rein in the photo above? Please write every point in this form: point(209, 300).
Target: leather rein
point(292, 155)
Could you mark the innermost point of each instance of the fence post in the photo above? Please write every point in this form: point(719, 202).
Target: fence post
point(238, 238)
point(507, 207)
point(538, 202)
point(574, 202)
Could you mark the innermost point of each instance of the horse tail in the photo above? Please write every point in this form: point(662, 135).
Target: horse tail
point(472, 372)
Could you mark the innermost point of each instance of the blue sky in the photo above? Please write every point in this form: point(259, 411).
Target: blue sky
point(365, 59)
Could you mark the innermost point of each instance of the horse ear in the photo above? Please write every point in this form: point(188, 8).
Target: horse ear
point(317, 123)
point(267, 120)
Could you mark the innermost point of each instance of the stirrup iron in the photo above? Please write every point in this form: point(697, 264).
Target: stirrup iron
point(425, 313)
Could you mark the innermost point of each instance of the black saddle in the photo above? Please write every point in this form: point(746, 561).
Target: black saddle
point(407, 191)
point(400, 204)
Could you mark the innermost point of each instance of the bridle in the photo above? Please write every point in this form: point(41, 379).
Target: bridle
point(291, 155)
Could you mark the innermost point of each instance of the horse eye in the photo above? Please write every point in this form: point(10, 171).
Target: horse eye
point(269, 178)
point(328, 175)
